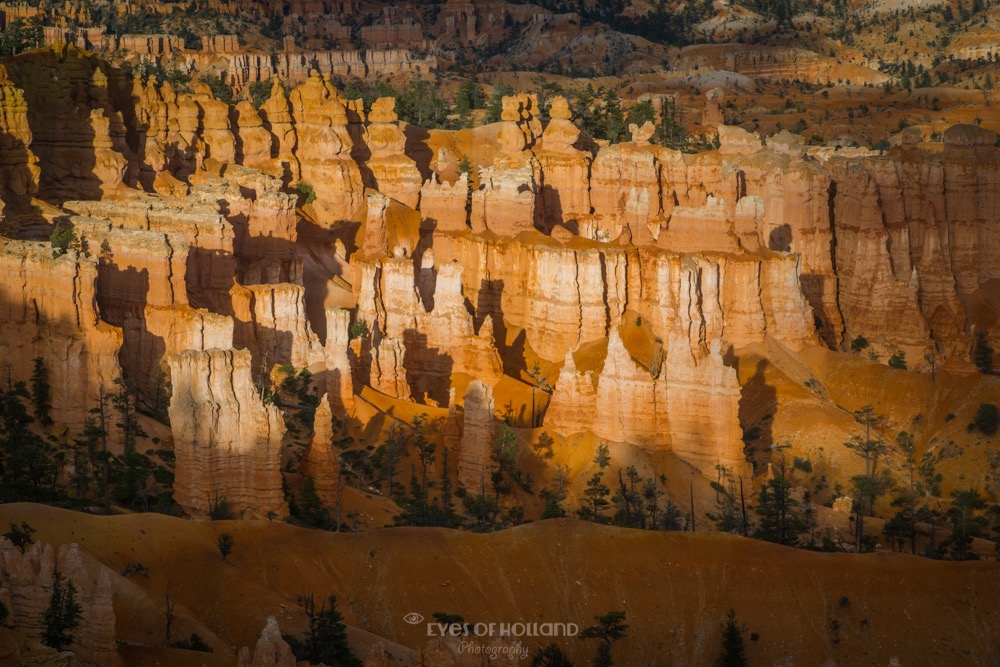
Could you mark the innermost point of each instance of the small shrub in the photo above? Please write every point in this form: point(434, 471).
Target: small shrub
point(192, 643)
point(859, 344)
point(898, 360)
point(62, 238)
point(260, 92)
point(226, 544)
point(307, 190)
point(987, 419)
point(220, 511)
point(219, 88)
point(358, 329)
point(805, 465)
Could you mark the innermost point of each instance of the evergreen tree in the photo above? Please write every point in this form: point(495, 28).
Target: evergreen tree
point(780, 517)
point(27, 471)
point(503, 456)
point(651, 495)
point(447, 516)
point(425, 454)
point(610, 628)
point(966, 524)
point(41, 392)
point(388, 456)
point(728, 517)
point(555, 495)
point(226, 544)
point(325, 639)
point(125, 401)
point(62, 615)
point(483, 509)
point(628, 500)
point(20, 536)
point(982, 353)
point(874, 482)
point(310, 508)
point(615, 127)
point(469, 96)
point(495, 107)
point(733, 649)
point(597, 491)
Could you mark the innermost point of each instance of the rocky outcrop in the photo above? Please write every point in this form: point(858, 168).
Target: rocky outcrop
point(211, 265)
point(271, 649)
point(140, 288)
point(19, 172)
point(565, 170)
point(324, 150)
point(227, 441)
point(76, 132)
point(337, 364)
point(505, 201)
point(48, 309)
point(388, 372)
point(477, 437)
point(319, 461)
point(395, 174)
point(444, 206)
point(26, 581)
point(271, 322)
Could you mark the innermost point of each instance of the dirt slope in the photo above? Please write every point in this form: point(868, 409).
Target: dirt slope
point(857, 610)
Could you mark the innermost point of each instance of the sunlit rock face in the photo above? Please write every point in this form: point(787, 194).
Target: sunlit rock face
point(214, 241)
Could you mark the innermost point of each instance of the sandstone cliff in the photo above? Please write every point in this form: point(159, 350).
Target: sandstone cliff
point(226, 440)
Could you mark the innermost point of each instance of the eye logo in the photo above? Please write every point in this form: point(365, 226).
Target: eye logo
point(413, 618)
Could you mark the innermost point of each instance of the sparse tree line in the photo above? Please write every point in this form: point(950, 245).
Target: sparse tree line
point(32, 457)
point(891, 472)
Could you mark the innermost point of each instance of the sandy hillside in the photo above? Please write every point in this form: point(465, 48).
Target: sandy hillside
point(857, 610)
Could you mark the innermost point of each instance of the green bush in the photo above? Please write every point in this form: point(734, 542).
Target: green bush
point(260, 92)
point(62, 237)
point(898, 360)
point(219, 88)
point(358, 329)
point(307, 190)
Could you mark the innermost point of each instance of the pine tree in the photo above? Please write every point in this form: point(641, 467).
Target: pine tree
point(325, 638)
point(20, 536)
point(597, 491)
point(41, 392)
point(780, 518)
point(62, 615)
point(555, 495)
point(873, 483)
point(727, 515)
point(610, 628)
point(733, 649)
point(426, 457)
point(503, 456)
point(965, 523)
point(982, 353)
point(226, 544)
point(447, 517)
